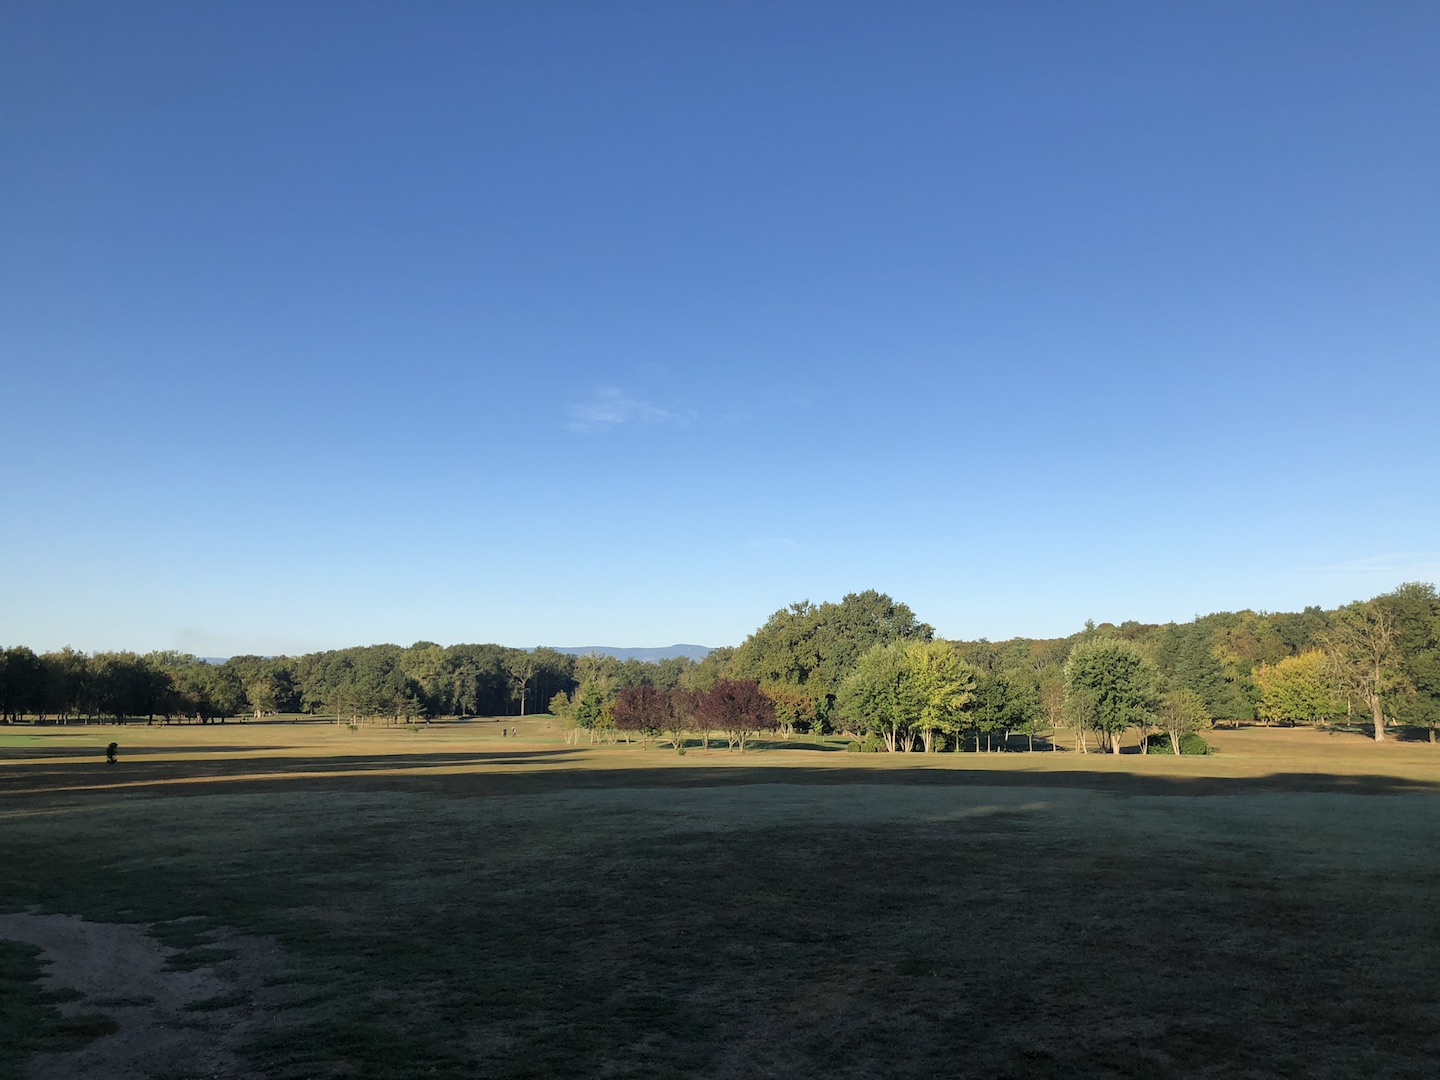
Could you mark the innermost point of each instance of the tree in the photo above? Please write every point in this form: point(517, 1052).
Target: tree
point(687, 708)
point(1186, 658)
point(22, 683)
point(815, 648)
point(1183, 712)
point(589, 709)
point(66, 674)
point(1079, 708)
point(680, 715)
point(521, 666)
point(1002, 703)
point(880, 696)
point(642, 709)
point(1298, 690)
point(944, 685)
point(1052, 697)
point(793, 708)
point(119, 685)
point(1112, 685)
point(739, 708)
point(1415, 608)
point(562, 706)
point(1365, 658)
point(267, 691)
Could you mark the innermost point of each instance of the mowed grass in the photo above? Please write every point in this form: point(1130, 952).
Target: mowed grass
point(450, 902)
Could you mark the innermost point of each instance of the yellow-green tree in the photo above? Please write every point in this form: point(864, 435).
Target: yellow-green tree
point(794, 708)
point(1299, 690)
point(908, 689)
point(944, 686)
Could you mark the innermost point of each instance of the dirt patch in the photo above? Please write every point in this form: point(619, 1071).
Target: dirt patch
point(171, 1022)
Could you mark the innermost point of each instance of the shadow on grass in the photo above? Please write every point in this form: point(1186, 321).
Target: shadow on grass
point(96, 750)
point(231, 772)
point(464, 774)
point(799, 743)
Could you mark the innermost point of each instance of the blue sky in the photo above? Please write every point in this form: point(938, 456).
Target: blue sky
point(334, 323)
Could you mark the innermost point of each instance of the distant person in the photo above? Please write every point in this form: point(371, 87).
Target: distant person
point(515, 731)
point(110, 752)
point(504, 732)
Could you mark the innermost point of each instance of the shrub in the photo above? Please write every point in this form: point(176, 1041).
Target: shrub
point(871, 744)
point(1189, 744)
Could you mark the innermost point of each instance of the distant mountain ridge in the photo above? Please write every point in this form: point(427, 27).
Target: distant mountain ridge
point(694, 652)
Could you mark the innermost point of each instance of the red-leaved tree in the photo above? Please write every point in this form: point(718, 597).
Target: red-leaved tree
point(684, 715)
point(739, 708)
point(644, 710)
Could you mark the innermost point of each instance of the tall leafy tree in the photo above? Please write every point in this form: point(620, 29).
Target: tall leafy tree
point(879, 697)
point(522, 667)
point(944, 685)
point(1415, 610)
point(1364, 650)
point(816, 647)
point(1113, 684)
point(22, 683)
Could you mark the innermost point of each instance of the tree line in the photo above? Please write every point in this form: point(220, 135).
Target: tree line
point(868, 668)
point(865, 666)
point(373, 683)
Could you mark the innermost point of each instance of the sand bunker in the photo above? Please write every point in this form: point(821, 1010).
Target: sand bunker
point(122, 972)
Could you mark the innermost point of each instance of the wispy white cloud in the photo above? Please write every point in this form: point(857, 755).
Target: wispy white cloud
point(610, 407)
point(1392, 567)
point(779, 543)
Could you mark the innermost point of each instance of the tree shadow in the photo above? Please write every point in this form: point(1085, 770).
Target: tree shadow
point(97, 750)
point(561, 769)
point(235, 773)
point(768, 745)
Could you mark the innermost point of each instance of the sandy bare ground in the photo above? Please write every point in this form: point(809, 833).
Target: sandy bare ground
point(122, 972)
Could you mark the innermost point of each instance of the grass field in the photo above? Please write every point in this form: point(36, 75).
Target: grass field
point(300, 900)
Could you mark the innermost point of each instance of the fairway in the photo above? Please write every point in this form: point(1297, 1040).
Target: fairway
point(296, 900)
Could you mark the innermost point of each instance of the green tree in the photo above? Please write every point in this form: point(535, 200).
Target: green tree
point(814, 648)
point(1112, 685)
point(562, 707)
point(1415, 609)
point(716, 665)
point(1183, 712)
point(1298, 690)
point(1002, 703)
point(522, 667)
point(588, 711)
point(22, 683)
point(880, 696)
point(66, 674)
point(944, 686)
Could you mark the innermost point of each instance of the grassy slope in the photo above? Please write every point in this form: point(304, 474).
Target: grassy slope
point(550, 911)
